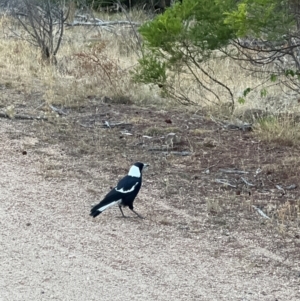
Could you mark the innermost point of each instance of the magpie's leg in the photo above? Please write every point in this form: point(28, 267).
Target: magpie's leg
point(136, 213)
point(122, 211)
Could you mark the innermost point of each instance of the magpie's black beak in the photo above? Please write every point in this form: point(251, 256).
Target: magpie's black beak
point(146, 166)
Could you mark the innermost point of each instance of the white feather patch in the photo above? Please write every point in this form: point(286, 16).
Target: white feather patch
point(101, 209)
point(134, 171)
point(127, 191)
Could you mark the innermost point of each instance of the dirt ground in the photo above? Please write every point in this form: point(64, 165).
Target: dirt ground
point(200, 240)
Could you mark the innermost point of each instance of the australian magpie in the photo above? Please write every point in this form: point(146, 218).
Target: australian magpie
point(124, 193)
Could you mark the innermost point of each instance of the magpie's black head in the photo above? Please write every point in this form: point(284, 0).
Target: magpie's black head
point(141, 166)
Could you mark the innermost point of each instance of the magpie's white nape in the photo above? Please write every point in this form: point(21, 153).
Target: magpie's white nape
point(124, 193)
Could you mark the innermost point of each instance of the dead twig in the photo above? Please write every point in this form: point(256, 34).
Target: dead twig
point(233, 126)
point(233, 171)
point(184, 153)
point(158, 149)
point(291, 187)
point(225, 182)
point(209, 167)
point(243, 127)
point(126, 133)
point(111, 23)
point(260, 212)
point(280, 188)
point(22, 117)
point(246, 182)
point(107, 124)
point(58, 111)
point(165, 152)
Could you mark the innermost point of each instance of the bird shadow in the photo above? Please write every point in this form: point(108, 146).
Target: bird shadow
point(130, 217)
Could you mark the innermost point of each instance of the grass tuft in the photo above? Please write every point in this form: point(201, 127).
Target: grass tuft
point(273, 129)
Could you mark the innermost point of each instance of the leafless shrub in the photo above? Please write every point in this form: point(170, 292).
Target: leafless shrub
point(43, 22)
point(94, 60)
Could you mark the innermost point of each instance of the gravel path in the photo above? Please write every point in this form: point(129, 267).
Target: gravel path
point(50, 249)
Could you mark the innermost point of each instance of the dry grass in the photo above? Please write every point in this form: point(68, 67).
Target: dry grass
point(94, 63)
point(156, 131)
point(91, 63)
point(282, 131)
point(97, 63)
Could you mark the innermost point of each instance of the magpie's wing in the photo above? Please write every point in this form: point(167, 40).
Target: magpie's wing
point(128, 184)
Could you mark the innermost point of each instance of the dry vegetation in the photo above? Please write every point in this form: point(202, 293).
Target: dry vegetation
point(92, 84)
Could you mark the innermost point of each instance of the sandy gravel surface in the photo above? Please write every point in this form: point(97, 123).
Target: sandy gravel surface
point(50, 249)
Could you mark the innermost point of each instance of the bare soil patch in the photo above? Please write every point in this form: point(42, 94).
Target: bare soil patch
point(201, 240)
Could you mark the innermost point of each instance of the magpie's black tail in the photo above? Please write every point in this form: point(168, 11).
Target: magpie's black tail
point(103, 205)
point(95, 211)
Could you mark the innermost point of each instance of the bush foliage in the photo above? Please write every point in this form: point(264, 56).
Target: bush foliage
point(186, 35)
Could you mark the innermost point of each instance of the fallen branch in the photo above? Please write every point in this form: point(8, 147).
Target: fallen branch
point(22, 117)
point(293, 186)
point(233, 171)
point(126, 133)
point(107, 124)
point(246, 182)
point(104, 24)
point(165, 152)
point(86, 17)
point(58, 111)
point(260, 212)
point(233, 126)
point(184, 153)
point(280, 188)
point(241, 127)
point(258, 171)
point(159, 149)
point(225, 182)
